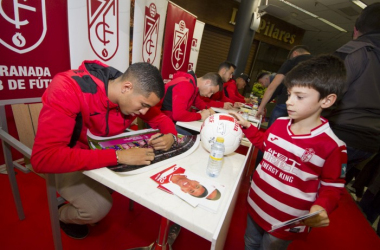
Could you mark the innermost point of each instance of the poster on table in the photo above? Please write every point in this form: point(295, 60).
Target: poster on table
point(148, 31)
point(33, 47)
point(99, 30)
point(196, 45)
point(179, 29)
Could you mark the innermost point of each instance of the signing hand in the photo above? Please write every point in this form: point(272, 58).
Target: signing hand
point(161, 141)
point(238, 104)
point(205, 113)
point(135, 156)
point(227, 105)
point(320, 220)
point(243, 122)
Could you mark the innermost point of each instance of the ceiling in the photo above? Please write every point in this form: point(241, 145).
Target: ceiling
point(320, 37)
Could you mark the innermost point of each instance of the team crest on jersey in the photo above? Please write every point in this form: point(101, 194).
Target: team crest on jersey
point(307, 155)
point(103, 27)
point(150, 36)
point(181, 35)
point(23, 25)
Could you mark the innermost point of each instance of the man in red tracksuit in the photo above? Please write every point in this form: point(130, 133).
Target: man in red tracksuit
point(105, 101)
point(184, 91)
point(231, 88)
point(220, 100)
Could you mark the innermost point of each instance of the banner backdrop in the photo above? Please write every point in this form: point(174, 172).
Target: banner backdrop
point(195, 45)
point(179, 31)
point(148, 31)
point(99, 30)
point(33, 47)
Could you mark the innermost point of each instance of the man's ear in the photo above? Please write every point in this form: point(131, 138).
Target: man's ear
point(328, 101)
point(126, 86)
point(356, 34)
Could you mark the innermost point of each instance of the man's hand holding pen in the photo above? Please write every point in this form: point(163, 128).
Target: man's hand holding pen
point(161, 141)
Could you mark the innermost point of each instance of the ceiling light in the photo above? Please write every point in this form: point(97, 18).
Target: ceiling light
point(315, 16)
point(359, 3)
point(299, 8)
point(332, 25)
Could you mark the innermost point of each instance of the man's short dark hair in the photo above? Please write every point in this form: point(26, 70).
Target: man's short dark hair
point(215, 78)
point(369, 19)
point(261, 75)
point(325, 73)
point(146, 78)
point(303, 49)
point(226, 65)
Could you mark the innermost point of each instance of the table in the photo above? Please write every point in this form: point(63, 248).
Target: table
point(211, 226)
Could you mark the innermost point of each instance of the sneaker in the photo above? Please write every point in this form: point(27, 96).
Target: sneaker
point(173, 233)
point(74, 231)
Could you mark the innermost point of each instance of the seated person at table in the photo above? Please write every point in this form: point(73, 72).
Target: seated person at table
point(184, 91)
point(262, 83)
point(219, 100)
point(304, 162)
point(105, 101)
point(232, 87)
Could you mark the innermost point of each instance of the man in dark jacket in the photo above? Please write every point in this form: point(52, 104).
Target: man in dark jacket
point(356, 119)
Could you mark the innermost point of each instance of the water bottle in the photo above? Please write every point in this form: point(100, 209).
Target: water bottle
point(216, 158)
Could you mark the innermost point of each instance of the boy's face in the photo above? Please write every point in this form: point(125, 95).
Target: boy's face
point(303, 103)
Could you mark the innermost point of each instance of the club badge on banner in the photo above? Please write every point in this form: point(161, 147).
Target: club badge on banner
point(99, 30)
point(148, 30)
point(33, 47)
point(196, 45)
point(179, 29)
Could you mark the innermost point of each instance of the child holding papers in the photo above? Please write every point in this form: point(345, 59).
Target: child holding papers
point(304, 162)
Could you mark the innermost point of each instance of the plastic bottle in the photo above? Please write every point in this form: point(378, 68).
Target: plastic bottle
point(216, 158)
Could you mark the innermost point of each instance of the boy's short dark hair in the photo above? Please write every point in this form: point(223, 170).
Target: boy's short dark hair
point(227, 65)
point(325, 73)
point(215, 78)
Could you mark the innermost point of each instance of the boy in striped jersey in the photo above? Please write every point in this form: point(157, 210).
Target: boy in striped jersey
point(304, 162)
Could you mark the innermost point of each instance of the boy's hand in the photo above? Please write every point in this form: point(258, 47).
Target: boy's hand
point(243, 122)
point(320, 220)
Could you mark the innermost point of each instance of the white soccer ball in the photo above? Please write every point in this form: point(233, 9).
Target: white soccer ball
point(221, 125)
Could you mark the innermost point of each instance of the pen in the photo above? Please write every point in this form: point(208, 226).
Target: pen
point(161, 135)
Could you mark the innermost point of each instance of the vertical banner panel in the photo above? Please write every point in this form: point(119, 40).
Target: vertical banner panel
point(99, 30)
point(196, 45)
point(34, 46)
point(148, 31)
point(179, 29)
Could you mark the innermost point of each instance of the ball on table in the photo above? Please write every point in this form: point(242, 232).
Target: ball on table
point(221, 125)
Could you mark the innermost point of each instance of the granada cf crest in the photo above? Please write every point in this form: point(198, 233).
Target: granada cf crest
point(103, 27)
point(309, 152)
point(181, 35)
point(150, 37)
point(23, 24)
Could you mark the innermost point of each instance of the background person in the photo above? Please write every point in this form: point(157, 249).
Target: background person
point(296, 55)
point(356, 117)
point(105, 101)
